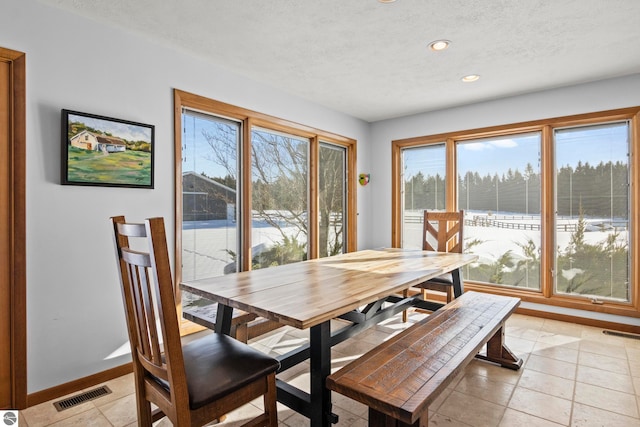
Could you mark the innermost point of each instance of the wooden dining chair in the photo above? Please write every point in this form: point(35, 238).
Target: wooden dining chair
point(443, 232)
point(192, 384)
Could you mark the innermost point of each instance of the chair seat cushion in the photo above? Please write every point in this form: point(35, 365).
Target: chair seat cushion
point(445, 279)
point(217, 364)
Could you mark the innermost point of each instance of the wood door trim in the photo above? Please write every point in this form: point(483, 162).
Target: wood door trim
point(17, 212)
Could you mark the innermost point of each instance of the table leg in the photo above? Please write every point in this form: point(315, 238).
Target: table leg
point(223, 319)
point(458, 286)
point(320, 338)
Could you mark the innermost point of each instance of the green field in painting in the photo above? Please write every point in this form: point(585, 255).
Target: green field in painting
point(129, 167)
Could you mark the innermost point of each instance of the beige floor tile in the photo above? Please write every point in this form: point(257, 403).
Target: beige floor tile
point(606, 379)
point(513, 418)
point(274, 338)
point(607, 363)
point(609, 400)
point(373, 335)
point(634, 368)
point(22, 420)
point(633, 353)
point(633, 342)
point(295, 420)
point(525, 321)
point(493, 372)
point(90, 418)
point(435, 405)
point(597, 334)
point(354, 347)
point(240, 416)
point(349, 405)
point(295, 371)
point(359, 422)
point(588, 416)
point(557, 352)
point(559, 339)
point(541, 405)
point(120, 412)
point(45, 414)
point(604, 349)
point(346, 418)
point(439, 420)
point(120, 387)
point(549, 366)
point(520, 345)
point(522, 332)
point(545, 383)
point(563, 328)
point(485, 388)
point(471, 410)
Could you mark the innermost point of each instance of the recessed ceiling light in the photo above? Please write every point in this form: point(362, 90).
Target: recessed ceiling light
point(470, 78)
point(386, 1)
point(439, 45)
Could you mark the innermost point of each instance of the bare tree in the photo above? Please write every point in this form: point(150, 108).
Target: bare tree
point(279, 173)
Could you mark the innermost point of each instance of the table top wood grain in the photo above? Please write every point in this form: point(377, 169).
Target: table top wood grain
point(310, 292)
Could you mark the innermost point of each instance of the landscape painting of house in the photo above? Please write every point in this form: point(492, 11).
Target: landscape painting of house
point(103, 151)
point(91, 141)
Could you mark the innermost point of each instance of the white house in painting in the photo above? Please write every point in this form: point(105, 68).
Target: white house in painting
point(92, 141)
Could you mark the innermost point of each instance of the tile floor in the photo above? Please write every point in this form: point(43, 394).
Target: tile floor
point(572, 375)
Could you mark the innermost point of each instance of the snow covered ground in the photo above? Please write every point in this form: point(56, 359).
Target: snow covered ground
point(497, 240)
point(205, 243)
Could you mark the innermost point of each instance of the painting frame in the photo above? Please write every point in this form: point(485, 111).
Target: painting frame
point(104, 151)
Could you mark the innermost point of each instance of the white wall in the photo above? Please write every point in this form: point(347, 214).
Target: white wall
point(74, 309)
point(586, 98)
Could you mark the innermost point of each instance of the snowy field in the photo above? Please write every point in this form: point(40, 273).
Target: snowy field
point(205, 243)
point(497, 240)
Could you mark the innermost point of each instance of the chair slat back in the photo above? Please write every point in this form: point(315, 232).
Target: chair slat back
point(148, 295)
point(443, 231)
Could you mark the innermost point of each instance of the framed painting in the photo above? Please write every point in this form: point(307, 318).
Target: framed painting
point(103, 151)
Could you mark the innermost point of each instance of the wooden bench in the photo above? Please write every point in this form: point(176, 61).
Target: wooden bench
point(244, 326)
point(401, 377)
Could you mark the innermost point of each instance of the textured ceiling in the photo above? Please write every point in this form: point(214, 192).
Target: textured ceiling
point(371, 60)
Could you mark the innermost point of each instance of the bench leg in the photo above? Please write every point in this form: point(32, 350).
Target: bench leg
point(241, 333)
point(498, 352)
point(405, 315)
point(378, 419)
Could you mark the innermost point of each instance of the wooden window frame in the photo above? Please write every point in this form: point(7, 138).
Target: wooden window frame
point(545, 127)
point(251, 119)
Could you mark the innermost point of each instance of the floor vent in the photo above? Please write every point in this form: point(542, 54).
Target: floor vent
point(61, 405)
point(621, 334)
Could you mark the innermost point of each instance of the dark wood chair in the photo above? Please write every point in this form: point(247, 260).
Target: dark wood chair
point(443, 232)
point(193, 384)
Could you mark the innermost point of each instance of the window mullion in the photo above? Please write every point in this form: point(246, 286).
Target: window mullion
point(547, 209)
point(313, 198)
point(246, 192)
point(451, 176)
point(634, 193)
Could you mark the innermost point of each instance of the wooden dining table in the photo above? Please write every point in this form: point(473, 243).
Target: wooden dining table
point(363, 288)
